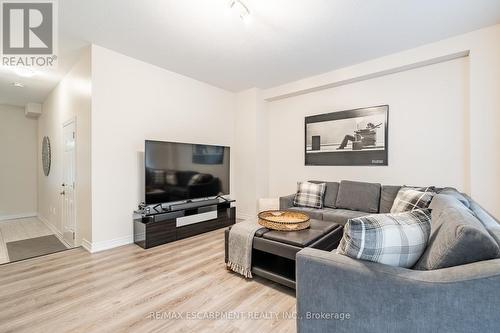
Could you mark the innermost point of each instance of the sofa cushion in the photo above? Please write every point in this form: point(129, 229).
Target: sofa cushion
point(287, 201)
point(341, 216)
point(411, 198)
point(332, 189)
point(390, 239)
point(487, 221)
point(309, 195)
point(457, 236)
point(457, 195)
point(387, 195)
point(313, 213)
point(359, 196)
point(441, 202)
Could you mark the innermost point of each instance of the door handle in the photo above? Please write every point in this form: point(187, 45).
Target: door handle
point(62, 193)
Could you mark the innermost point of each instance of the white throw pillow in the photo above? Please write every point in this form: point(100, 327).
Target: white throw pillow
point(391, 239)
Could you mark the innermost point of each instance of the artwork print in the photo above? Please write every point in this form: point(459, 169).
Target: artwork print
point(351, 137)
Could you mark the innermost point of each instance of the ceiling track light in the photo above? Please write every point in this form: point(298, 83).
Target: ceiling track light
point(241, 9)
point(24, 71)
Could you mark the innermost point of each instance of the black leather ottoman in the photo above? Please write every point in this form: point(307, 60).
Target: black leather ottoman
point(273, 255)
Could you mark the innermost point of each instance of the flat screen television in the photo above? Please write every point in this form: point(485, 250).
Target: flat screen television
point(183, 171)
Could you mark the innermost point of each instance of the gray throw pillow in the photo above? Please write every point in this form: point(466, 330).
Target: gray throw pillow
point(457, 236)
point(489, 223)
point(360, 196)
point(390, 239)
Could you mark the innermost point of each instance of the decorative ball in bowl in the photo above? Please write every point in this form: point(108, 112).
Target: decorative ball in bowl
point(284, 220)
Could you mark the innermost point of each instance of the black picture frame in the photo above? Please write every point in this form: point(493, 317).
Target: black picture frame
point(362, 146)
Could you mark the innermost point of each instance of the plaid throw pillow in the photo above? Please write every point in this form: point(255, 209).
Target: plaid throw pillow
point(412, 198)
point(309, 195)
point(390, 239)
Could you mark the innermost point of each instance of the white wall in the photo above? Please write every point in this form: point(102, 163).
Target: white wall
point(69, 100)
point(482, 49)
point(428, 129)
point(485, 118)
point(251, 153)
point(133, 101)
point(18, 163)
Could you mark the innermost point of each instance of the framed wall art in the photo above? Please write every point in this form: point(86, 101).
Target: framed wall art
point(351, 137)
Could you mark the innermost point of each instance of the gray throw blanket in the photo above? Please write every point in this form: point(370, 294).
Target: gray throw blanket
point(240, 247)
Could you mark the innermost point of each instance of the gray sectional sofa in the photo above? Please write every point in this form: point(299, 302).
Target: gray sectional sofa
point(336, 293)
point(357, 199)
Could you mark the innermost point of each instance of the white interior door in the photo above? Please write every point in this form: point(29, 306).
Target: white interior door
point(68, 183)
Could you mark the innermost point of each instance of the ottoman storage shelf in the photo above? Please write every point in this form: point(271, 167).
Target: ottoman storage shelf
point(274, 267)
point(273, 253)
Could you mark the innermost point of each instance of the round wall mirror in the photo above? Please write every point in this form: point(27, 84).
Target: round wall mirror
point(46, 158)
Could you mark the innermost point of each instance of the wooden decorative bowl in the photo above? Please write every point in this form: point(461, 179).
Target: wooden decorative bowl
point(284, 220)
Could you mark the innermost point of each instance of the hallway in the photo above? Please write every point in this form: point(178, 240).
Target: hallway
point(33, 232)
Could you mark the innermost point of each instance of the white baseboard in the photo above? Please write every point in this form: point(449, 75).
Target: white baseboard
point(87, 245)
point(94, 247)
point(50, 226)
point(17, 216)
point(54, 230)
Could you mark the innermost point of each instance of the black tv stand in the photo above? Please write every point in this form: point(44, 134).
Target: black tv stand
point(161, 226)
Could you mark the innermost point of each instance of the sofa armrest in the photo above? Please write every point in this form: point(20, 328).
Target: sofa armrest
point(381, 298)
point(287, 201)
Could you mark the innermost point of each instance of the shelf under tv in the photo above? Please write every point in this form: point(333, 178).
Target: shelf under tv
point(165, 226)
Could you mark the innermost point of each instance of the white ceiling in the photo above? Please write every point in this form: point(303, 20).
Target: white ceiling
point(286, 40)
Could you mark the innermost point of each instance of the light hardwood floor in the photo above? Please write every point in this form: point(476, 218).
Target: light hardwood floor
point(117, 290)
point(19, 229)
